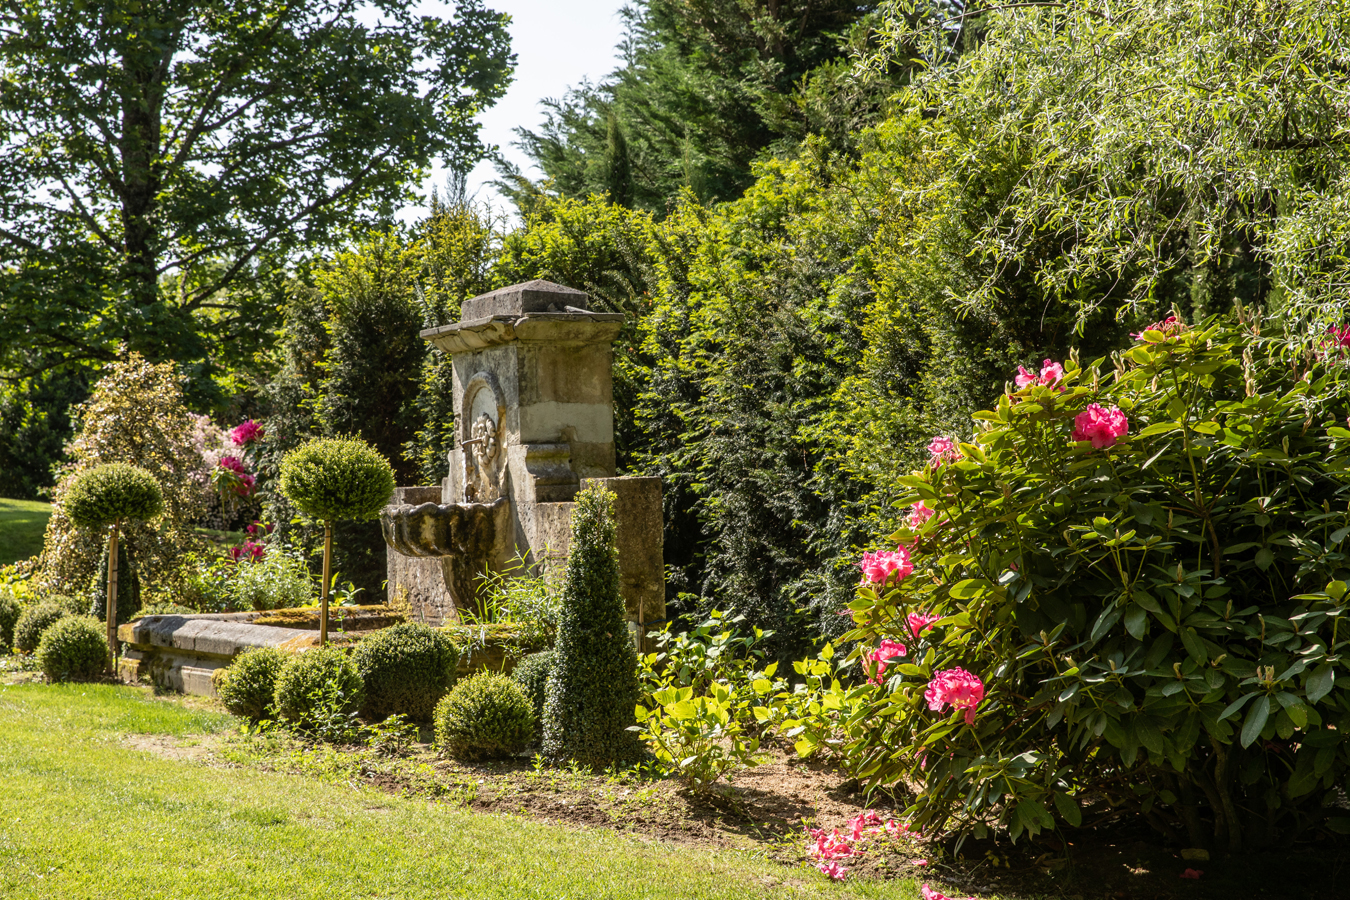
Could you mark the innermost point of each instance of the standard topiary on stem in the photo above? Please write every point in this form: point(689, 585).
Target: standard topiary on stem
point(104, 497)
point(593, 690)
point(332, 480)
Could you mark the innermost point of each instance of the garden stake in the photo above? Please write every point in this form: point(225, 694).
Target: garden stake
point(112, 599)
point(323, 602)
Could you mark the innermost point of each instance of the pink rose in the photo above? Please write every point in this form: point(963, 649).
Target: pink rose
point(1052, 373)
point(956, 688)
point(1103, 427)
point(246, 433)
point(883, 565)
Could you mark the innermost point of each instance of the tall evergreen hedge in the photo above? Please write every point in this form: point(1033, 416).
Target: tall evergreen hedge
point(593, 690)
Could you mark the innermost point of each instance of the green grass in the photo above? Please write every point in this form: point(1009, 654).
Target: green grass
point(22, 524)
point(85, 814)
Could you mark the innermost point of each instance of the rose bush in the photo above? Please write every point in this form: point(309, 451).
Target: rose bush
point(1136, 610)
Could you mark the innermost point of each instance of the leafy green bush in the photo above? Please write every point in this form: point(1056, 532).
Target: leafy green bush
point(316, 686)
point(73, 648)
point(74, 606)
point(165, 609)
point(406, 670)
point(10, 610)
point(337, 479)
point(593, 691)
point(486, 715)
point(248, 686)
point(532, 674)
point(35, 620)
point(521, 595)
point(1150, 620)
point(111, 492)
point(279, 580)
point(698, 739)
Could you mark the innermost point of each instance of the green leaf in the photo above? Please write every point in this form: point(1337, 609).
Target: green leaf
point(1236, 705)
point(1256, 720)
point(1068, 809)
point(1136, 622)
point(1264, 558)
point(1159, 428)
point(970, 588)
point(1320, 682)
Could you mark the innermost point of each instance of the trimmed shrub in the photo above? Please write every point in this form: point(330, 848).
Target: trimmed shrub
point(74, 606)
point(486, 715)
point(593, 691)
point(337, 479)
point(317, 685)
point(532, 675)
point(35, 620)
point(248, 686)
point(105, 494)
point(406, 669)
point(73, 648)
point(10, 610)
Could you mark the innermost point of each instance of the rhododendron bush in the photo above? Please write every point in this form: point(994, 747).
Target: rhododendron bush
point(1128, 599)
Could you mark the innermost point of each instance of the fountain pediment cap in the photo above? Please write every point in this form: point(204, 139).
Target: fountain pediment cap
point(536, 296)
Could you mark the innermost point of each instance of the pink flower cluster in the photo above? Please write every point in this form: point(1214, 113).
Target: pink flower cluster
point(1101, 426)
point(242, 482)
point(246, 433)
point(920, 622)
point(1337, 338)
point(956, 688)
point(258, 529)
point(830, 846)
point(883, 565)
point(919, 513)
point(1052, 374)
point(249, 551)
point(1170, 326)
point(886, 651)
point(942, 449)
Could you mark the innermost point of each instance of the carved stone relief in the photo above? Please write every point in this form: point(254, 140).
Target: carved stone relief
point(482, 444)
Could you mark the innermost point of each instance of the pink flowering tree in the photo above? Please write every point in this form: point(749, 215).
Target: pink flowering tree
point(1127, 592)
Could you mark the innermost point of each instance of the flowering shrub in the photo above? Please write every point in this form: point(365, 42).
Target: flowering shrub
point(886, 565)
point(246, 432)
point(230, 476)
point(1148, 622)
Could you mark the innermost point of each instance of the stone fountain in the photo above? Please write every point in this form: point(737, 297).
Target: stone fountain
point(534, 409)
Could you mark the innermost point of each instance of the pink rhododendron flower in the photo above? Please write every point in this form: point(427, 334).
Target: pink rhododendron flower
point(942, 449)
point(920, 622)
point(1052, 373)
point(835, 871)
point(1170, 326)
point(233, 464)
point(249, 551)
point(246, 432)
point(930, 894)
point(831, 846)
point(884, 565)
point(896, 829)
point(1193, 874)
point(886, 651)
point(956, 688)
point(918, 514)
point(1101, 426)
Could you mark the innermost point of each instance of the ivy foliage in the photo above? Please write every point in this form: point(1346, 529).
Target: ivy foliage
point(592, 690)
point(1157, 623)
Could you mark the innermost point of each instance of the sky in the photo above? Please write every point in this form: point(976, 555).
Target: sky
point(557, 43)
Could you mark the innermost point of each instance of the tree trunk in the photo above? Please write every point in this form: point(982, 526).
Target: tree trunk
point(327, 569)
point(112, 601)
point(144, 67)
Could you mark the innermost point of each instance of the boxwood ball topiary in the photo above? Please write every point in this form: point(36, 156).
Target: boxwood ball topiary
point(35, 620)
point(485, 716)
point(314, 679)
point(10, 610)
point(249, 685)
point(337, 479)
point(406, 669)
point(104, 494)
point(73, 649)
point(532, 675)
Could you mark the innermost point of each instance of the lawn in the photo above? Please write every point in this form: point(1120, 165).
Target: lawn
point(22, 524)
point(90, 810)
